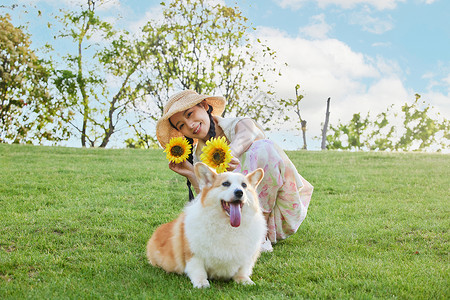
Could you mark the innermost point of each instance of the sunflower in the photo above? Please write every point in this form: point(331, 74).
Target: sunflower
point(178, 149)
point(216, 154)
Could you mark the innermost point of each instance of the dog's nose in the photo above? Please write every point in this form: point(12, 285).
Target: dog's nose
point(238, 194)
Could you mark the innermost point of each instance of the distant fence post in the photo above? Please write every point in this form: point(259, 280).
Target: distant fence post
point(325, 126)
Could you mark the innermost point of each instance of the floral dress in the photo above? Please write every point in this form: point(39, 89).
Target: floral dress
point(284, 195)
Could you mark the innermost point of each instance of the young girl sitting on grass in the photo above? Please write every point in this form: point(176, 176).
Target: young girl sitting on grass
point(284, 195)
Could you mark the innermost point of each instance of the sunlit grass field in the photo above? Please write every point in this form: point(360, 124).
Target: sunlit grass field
point(74, 224)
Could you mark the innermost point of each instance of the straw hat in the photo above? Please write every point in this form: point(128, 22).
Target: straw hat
point(180, 102)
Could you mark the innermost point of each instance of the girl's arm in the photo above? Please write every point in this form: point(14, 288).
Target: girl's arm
point(186, 169)
point(246, 132)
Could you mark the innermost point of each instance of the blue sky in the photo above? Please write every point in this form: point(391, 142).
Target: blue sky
point(364, 54)
point(413, 33)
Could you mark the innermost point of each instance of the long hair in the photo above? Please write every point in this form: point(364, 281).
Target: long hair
point(211, 133)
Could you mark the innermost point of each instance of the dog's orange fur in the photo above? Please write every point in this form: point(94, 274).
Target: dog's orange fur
point(176, 249)
point(169, 247)
point(216, 183)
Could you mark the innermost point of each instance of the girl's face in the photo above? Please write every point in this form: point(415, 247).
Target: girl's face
point(193, 122)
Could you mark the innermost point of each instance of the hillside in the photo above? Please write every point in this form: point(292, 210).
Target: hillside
point(74, 224)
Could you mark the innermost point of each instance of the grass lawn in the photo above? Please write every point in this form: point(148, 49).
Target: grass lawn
point(74, 224)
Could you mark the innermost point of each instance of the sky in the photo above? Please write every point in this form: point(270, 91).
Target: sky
point(364, 54)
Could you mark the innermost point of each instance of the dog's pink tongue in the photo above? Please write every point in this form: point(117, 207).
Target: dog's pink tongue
point(235, 214)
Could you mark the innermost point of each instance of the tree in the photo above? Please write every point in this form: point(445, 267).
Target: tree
point(421, 128)
point(196, 45)
point(295, 104)
point(28, 113)
point(102, 110)
point(413, 130)
point(350, 134)
point(381, 136)
point(205, 48)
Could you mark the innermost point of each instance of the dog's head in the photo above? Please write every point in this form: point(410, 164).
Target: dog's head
point(229, 191)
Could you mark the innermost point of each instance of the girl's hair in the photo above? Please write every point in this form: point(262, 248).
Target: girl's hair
point(191, 160)
point(211, 133)
point(212, 127)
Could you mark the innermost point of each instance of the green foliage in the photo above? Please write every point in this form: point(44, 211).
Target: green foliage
point(382, 135)
point(418, 131)
point(196, 46)
point(421, 127)
point(353, 132)
point(205, 48)
point(142, 141)
point(74, 224)
point(83, 78)
point(28, 112)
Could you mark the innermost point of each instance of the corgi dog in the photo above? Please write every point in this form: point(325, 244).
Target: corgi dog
point(219, 234)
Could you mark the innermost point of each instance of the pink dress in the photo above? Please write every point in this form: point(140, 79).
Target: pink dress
point(284, 194)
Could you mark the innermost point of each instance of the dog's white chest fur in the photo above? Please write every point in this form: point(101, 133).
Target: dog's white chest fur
point(222, 248)
point(220, 233)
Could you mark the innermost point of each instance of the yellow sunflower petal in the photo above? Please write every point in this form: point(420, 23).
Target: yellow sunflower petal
point(216, 154)
point(178, 149)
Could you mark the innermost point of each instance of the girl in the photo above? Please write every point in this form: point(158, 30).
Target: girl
point(284, 195)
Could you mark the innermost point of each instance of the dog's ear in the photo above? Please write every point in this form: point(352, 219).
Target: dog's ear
point(205, 175)
point(255, 177)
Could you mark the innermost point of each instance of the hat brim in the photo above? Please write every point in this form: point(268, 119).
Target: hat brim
point(165, 131)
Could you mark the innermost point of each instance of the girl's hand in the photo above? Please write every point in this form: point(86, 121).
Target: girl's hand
point(185, 168)
point(233, 164)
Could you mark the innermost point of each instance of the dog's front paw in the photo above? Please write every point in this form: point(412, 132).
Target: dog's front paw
point(243, 280)
point(200, 284)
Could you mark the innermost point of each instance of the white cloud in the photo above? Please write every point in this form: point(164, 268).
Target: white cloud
point(370, 23)
point(110, 5)
point(439, 101)
point(318, 29)
point(438, 93)
point(428, 75)
point(155, 13)
point(446, 80)
point(387, 66)
point(293, 4)
point(356, 83)
point(330, 68)
point(438, 79)
point(381, 94)
point(215, 2)
point(382, 44)
point(102, 6)
point(346, 4)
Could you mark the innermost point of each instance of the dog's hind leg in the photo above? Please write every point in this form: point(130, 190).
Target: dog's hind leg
point(242, 278)
point(195, 269)
point(243, 274)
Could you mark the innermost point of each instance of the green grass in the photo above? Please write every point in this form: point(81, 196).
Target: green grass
point(74, 224)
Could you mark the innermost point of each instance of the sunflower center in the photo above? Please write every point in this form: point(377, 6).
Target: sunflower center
point(177, 151)
point(218, 156)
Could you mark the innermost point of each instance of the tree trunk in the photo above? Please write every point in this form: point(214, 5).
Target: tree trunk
point(83, 134)
point(110, 130)
point(325, 126)
point(82, 85)
point(85, 105)
point(112, 108)
point(304, 134)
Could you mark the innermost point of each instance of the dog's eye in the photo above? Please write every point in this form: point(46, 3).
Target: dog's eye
point(244, 185)
point(226, 183)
